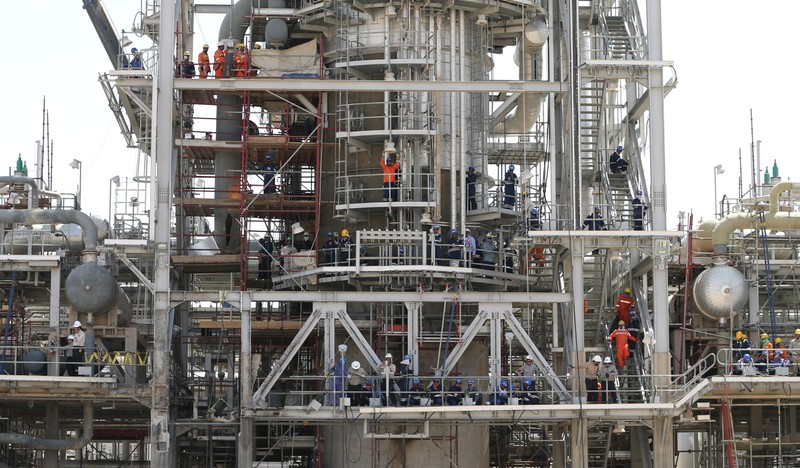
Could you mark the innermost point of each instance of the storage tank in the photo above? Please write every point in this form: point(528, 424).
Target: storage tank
point(720, 292)
point(91, 289)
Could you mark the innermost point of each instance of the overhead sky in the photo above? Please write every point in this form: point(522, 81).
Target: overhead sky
point(730, 56)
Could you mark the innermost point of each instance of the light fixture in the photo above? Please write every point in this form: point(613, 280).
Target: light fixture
point(426, 218)
point(115, 180)
point(342, 348)
point(388, 75)
point(509, 336)
point(298, 229)
point(75, 164)
point(481, 21)
point(125, 41)
point(391, 12)
point(388, 147)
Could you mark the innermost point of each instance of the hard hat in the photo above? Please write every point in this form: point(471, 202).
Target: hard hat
point(621, 322)
point(504, 383)
point(407, 357)
point(619, 148)
point(356, 365)
point(638, 192)
point(406, 362)
point(134, 50)
point(205, 46)
point(528, 382)
point(534, 210)
point(220, 44)
point(388, 355)
point(746, 358)
point(490, 235)
point(330, 233)
point(435, 380)
point(467, 230)
point(510, 167)
point(76, 324)
point(471, 168)
point(607, 360)
point(633, 312)
point(186, 54)
point(628, 290)
point(70, 337)
point(471, 382)
point(797, 331)
point(345, 233)
point(240, 45)
point(268, 156)
point(778, 340)
point(597, 358)
point(739, 335)
point(436, 226)
point(453, 231)
point(529, 358)
point(415, 381)
point(257, 46)
point(458, 381)
point(596, 208)
point(764, 335)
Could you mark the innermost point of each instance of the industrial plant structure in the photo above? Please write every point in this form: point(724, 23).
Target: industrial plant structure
point(290, 214)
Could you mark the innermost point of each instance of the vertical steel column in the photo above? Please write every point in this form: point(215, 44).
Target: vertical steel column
point(245, 453)
point(579, 434)
point(55, 297)
point(413, 334)
point(51, 430)
point(161, 449)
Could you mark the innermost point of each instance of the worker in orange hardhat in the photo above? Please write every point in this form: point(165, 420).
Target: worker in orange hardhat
point(203, 63)
point(624, 304)
point(620, 337)
point(219, 60)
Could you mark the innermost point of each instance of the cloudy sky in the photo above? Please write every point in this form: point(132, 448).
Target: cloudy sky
point(729, 58)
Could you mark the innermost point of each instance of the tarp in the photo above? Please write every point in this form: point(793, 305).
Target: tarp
point(302, 59)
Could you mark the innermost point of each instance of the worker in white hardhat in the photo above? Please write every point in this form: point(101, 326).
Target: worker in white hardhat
point(203, 62)
point(608, 376)
point(79, 342)
point(590, 378)
point(528, 369)
point(69, 366)
point(356, 378)
point(387, 369)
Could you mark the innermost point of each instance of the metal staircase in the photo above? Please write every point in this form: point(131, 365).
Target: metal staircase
point(618, 46)
point(591, 112)
point(599, 444)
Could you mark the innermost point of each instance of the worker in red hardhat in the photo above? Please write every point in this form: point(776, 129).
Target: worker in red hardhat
point(219, 60)
point(620, 338)
point(624, 304)
point(203, 63)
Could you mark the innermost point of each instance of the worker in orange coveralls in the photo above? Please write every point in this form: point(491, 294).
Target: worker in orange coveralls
point(219, 60)
point(241, 61)
point(624, 304)
point(621, 336)
point(203, 64)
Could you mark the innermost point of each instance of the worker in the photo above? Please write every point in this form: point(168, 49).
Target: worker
point(621, 337)
point(472, 180)
point(241, 61)
point(438, 253)
point(639, 208)
point(270, 170)
point(766, 347)
point(329, 249)
point(71, 365)
point(608, 378)
point(741, 346)
point(500, 394)
point(344, 249)
point(744, 366)
point(473, 393)
point(404, 382)
point(528, 394)
point(594, 222)
point(356, 378)
point(79, 342)
point(510, 188)
point(590, 379)
point(187, 66)
point(415, 393)
point(288, 251)
point(794, 348)
point(203, 63)
point(219, 60)
point(265, 249)
point(470, 246)
point(634, 328)
point(488, 252)
point(339, 373)
point(624, 304)
point(390, 167)
point(780, 349)
point(616, 163)
point(534, 222)
point(454, 247)
point(387, 370)
point(136, 61)
point(455, 394)
point(528, 369)
point(435, 392)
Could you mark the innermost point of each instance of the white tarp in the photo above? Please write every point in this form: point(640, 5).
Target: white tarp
point(302, 59)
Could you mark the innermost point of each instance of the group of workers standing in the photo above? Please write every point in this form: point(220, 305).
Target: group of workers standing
point(241, 66)
point(768, 359)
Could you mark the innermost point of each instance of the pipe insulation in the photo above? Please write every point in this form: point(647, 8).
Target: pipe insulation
point(40, 216)
point(56, 444)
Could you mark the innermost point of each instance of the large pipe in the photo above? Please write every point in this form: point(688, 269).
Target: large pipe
point(40, 216)
point(33, 198)
point(56, 444)
point(772, 220)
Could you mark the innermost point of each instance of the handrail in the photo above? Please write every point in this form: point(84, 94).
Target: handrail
point(696, 372)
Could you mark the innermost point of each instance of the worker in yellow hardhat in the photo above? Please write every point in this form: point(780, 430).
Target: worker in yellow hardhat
point(203, 62)
point(741, 346)
point(344, 247)
point(187, 66)
point(794, 348)
point(241, 61)
point(624, 304)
